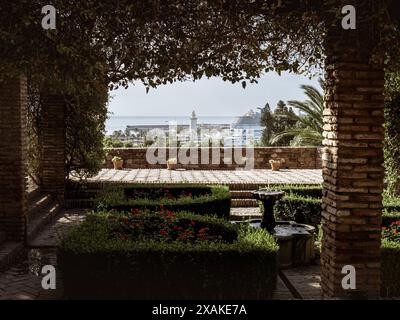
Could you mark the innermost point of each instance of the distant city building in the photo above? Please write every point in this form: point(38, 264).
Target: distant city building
point(193, 122)
point(248, 124)
point(235, 133)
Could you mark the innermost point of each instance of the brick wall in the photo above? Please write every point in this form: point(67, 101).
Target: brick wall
point(53, 145)
point(13, 132)
point(295, 158)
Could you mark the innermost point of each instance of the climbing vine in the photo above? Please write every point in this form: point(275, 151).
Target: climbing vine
point(159, 42)
point(392, 133)
point(86, 113)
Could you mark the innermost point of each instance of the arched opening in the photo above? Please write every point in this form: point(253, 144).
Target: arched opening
point(161, 43)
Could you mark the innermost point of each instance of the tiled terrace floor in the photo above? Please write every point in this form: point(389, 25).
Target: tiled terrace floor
point(256, 176)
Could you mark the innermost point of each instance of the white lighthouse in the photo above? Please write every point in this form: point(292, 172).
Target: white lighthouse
point(193, 123)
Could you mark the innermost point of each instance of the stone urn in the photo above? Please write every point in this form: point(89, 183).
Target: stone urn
point(172, 164)
point(118, 163)
point(275, 164)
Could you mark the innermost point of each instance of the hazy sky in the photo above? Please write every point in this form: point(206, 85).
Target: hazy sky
point(209, 97)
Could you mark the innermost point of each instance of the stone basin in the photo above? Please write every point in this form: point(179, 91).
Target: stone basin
point(296, 242)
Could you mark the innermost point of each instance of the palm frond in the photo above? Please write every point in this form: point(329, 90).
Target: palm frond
point(310, 119)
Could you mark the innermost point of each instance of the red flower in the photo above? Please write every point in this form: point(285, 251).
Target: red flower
point(163, 232)
point(135, 211)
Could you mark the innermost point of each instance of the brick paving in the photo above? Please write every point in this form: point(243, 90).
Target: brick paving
point(256, 176)
point(306, 280)
point(23, 281)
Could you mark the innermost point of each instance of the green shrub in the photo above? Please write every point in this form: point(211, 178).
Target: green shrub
point(299, 208)
point(391, 204)
point(96, 264)
point(312, 190)
point(392, 131)
point(199, 199)
point(390, 268)
point(303, 204)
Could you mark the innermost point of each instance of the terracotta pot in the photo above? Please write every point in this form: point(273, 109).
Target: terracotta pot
point(118, 164)
point(171, 166)
point(275, 166)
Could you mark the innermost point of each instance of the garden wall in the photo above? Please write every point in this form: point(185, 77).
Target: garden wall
point(295, 158)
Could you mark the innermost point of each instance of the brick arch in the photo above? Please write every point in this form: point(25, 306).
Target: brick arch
point(352, 161)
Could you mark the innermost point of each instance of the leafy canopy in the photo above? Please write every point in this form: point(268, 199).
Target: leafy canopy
point(158, 42)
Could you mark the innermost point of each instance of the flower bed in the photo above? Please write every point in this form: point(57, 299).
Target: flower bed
point(198, 199)
point(163, 255)
point(390, 269)
point(389, 216)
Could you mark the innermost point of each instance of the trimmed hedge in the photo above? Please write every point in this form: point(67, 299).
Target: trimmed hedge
point(205, 200)
point(391, 205)
point(390, 268)
point(297, 208)
point(303, 204)
point(96, 265)
point(311, 190)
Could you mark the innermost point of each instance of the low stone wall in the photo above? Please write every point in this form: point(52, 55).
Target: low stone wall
point(295, 158)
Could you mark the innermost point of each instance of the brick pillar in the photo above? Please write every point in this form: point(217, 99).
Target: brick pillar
point(53, 145)
point(352, 165)
point(13, 171)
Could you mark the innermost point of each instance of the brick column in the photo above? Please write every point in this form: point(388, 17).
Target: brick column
point(53, 141)
point(352, 165)
point(13, 131)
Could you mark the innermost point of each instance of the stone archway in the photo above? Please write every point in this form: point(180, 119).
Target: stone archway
point(352, 161)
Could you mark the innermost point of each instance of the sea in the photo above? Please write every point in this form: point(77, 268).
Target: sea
point(115, 123)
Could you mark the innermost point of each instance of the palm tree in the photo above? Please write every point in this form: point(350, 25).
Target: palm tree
point(309, 128)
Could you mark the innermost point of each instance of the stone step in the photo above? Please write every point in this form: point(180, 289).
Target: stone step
point(37, 204)
point(3, 237)
point(10, 252)
point(38, 222)
point(244, 203)
point(33, 193)
point(82, 194)
point(79, 203)
point(245, 213)
point(241, 194)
